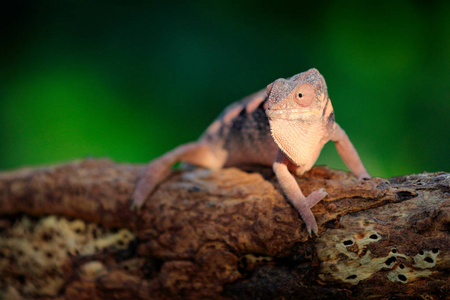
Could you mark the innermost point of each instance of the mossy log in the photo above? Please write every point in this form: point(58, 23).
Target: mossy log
point(68, 232)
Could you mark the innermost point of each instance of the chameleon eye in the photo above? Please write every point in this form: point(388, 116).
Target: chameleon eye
point(304, 94)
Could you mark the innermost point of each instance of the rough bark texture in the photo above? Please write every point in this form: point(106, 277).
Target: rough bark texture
point(68, 232)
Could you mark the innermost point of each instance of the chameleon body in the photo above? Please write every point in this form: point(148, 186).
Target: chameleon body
point(284, 126)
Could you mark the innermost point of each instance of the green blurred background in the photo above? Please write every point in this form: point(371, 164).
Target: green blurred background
point(130, 80)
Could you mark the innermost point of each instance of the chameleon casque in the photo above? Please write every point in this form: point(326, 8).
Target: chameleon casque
point(284, 126)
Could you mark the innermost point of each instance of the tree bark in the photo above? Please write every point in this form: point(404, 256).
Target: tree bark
point(68, 232)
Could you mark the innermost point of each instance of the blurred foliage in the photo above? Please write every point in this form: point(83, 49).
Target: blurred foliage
point(130, 80)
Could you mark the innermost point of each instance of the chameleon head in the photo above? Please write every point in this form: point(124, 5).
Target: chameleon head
point(301, 97)
point(300, 114)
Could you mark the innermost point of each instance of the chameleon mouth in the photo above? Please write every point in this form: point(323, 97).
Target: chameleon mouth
point(291, 114)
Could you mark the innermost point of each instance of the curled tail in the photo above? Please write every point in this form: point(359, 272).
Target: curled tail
point(158, 169)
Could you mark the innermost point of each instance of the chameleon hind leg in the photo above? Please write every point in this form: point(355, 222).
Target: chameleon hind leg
point(196, 153)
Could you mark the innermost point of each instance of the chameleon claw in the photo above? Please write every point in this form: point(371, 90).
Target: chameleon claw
point(312, 230)
point(316, 232)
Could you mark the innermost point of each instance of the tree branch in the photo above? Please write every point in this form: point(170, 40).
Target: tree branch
point(222, 234)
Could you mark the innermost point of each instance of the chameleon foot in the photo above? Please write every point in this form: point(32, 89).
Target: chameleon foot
point(310, 221)
point(305, 210)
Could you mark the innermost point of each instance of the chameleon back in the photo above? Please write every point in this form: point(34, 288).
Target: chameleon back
point(241, 133)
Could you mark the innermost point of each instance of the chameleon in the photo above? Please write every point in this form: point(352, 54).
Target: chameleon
point(284, 126)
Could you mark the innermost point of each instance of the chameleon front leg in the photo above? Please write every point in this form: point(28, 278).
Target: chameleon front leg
point(348, 153)
point(294, 194)
point(157, 170)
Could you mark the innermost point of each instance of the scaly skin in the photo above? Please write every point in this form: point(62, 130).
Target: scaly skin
point(284, 126)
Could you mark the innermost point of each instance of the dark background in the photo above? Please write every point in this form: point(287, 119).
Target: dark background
point(130, 80)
